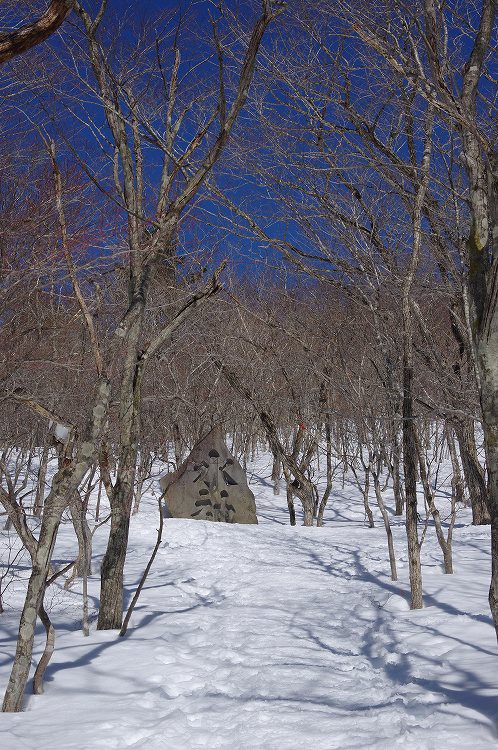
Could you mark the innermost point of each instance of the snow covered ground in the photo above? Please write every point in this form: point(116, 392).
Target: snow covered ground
point(273, 637)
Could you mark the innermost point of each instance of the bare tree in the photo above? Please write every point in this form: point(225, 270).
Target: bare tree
point(120, 360)
point(432, 70)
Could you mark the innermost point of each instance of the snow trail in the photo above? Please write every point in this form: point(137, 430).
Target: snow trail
point(274, 637)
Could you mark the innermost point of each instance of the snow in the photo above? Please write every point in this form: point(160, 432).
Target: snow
point(396, 603)
point(249, 637)
point(61, 432)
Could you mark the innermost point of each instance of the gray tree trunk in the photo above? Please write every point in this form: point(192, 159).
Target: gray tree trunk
point(457, 484)
point(64, 484)
point(397, 485)
point(410, 470)
point(473, 472)
point(445, 544)
point(488, 362)
point(366, 504)
point(275, 474)
point(387, 524)
point(112, 571)
point(40, 485)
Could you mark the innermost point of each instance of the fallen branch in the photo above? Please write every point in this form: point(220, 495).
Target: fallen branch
point(129, 613)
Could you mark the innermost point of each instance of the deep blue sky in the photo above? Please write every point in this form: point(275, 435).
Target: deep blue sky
point(198, 13)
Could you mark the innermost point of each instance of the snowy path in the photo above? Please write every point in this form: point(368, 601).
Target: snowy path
point(277, 638)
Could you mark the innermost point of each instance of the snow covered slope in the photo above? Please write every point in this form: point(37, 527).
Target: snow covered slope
point(271, 637)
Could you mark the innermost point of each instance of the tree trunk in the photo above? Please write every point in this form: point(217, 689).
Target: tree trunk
point(330, 472)
point(397, 485)
point(47, 651)
point(144, 470)
point(410, 470)
point(275, 474)
point(40, 485)
point(429, 497)
point(387, 524)
point(409, 429)
point(34, 596)
point(366, 504)
point(97, 505)
point(473, 471)
point(290, 506)
point(112, 571)
point(308, 513)
point(83, 535)
point(488, 365)
point(64, 484)
point(290, 498)
point(177, 444)
point(457, 487)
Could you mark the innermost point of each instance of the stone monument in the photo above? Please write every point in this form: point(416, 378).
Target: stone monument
point(210, 485)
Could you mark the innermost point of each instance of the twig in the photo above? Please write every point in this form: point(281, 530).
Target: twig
point(129, 613)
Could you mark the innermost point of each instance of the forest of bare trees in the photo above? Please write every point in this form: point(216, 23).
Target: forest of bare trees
point(280, 218)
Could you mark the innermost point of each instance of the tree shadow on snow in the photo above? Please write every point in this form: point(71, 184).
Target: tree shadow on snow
point(467, 687)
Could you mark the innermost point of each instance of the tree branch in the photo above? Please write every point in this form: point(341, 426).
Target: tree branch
point(15, 42)
point(198, 299)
